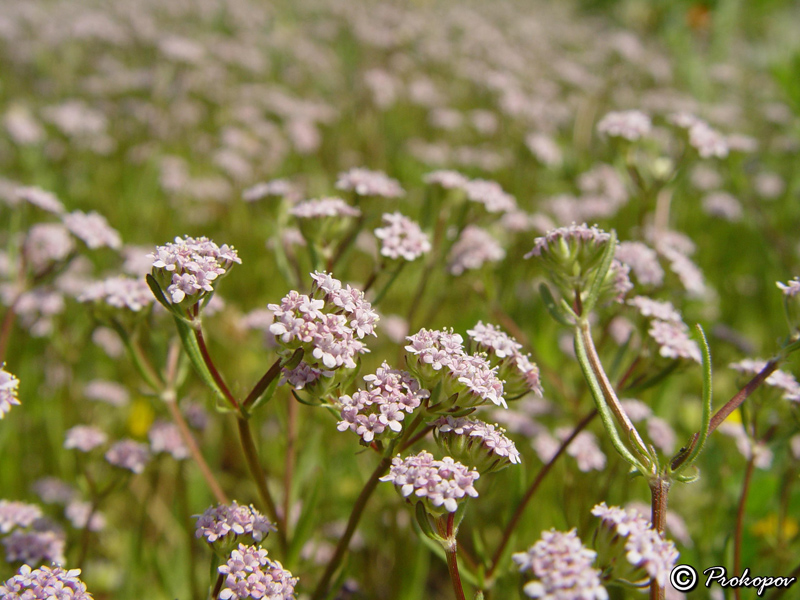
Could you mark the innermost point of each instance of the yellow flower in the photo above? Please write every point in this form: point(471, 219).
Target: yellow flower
point(768, 527)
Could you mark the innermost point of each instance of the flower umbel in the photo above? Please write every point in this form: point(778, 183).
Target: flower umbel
point(250, 574)
point(562, 567)
point(188, 267)
point(440, 484)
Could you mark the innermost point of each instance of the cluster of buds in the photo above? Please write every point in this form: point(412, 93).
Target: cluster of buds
point(476, 443)
point(189, 267)
point(574, 258)
point(438, 358)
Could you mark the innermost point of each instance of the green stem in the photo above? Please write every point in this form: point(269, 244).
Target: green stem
point(389, 283)
point(260, 478)
point(600, 393)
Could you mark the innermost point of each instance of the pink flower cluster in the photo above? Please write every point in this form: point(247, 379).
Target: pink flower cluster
point(645, 547)
point(8, 392)
point(562, 567)
point(323, 207)
point(629, 124)
point(369, 183)
point(498, 343)
point(474, 247)
point(568, 235)
point(491, 437)
point(441, 483)
point(402, 238)
point(388, 396)
point(230, 521)
point(131, 293)
point(442, 352)
point(780, 379)
point(250, 574)
point(329, 327)
point(45, 582)
point(189, 266)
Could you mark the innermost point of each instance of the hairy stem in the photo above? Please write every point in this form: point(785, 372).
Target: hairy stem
point(288, 473)
point(728, 408)
point(609, 394)
point(659, 491)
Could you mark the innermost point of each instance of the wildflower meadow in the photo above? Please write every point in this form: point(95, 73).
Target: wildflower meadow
point(368, 300)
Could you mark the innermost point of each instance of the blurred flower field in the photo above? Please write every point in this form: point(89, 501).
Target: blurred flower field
point(398, 300)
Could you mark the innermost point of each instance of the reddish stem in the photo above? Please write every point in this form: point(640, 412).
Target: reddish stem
point(509, 529)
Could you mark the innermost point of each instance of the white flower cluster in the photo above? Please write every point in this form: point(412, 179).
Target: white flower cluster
point(45, 583)
point(369, 183)
point(189, 266)
point(629, 124)
point(562, 567)
point(490, 438)
point(443, 351)
point(474, 247)
point(230, 521)
point(498, 343)
point(8, 392)
point(250, 574)
point(441, 483)
point(644, 546)
point(330, 328)
point(131, 293)
point(779, 378)
point(402, 238)
point(323, 207)
point(389, 395)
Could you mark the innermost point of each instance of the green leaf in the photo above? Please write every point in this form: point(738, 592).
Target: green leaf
point(600, 275)
point(158, 293)
point(424, 523)
point(707, 401)
point(192, 349)
point(305, 524)
point(552, 307)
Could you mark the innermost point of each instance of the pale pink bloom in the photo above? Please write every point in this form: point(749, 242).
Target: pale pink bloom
point(473, 249)
point(562, 568)
point(642, 260)
point(93, 229)
point(40, 198)
point(446, 179)
point(402, 238)
point(629, 124)
point(45, 244)
point(723, 205)
point(8, 391)
point(369, 183)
